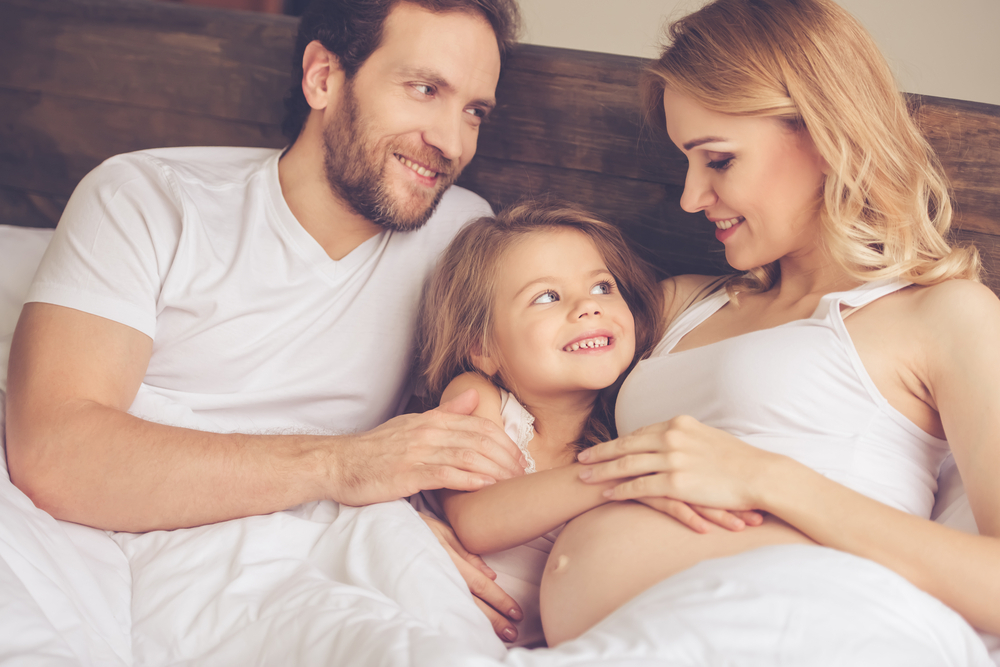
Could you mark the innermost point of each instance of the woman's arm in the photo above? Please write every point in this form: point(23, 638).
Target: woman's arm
point(959, 329)
point(505, 515)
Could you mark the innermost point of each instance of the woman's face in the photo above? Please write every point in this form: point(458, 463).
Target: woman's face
point(758, 181)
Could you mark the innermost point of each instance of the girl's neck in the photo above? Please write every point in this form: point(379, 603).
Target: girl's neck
point(559, 422)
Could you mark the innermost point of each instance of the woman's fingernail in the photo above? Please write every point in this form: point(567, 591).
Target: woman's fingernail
point(510, 634)
point(586, 474)
point(584, 455)
point(514, 614)
point(607, 493)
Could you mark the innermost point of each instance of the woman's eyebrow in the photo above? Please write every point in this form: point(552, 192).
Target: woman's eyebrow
point(703, 140)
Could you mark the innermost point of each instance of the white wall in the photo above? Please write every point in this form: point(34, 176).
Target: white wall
point(947, 48)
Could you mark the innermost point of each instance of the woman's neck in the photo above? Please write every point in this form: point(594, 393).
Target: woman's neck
point(801, 280)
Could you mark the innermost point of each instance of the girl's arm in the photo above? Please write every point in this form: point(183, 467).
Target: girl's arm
point(505, 515)
point(959, 328)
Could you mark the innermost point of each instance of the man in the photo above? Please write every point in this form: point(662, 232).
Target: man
point(205, 318)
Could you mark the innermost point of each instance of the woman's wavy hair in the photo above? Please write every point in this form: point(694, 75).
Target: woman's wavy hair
point(352, 31)
point(886, 204)
point(457, 312)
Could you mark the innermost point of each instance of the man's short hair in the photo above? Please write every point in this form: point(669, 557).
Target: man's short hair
point(352, 30)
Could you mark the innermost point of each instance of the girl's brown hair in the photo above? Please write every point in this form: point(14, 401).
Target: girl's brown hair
point(456, 316)
point(886, 206)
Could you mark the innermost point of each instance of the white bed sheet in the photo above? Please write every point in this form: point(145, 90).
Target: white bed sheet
point(327, 585)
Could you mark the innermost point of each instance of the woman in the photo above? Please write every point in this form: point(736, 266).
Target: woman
point(825, 382)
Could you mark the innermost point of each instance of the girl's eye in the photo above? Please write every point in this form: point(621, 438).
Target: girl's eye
point(547, 297)
point(603, 287)
point(720, 165)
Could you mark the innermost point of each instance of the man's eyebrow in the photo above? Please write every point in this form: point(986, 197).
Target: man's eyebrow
point(437, 80)
point(703, 140)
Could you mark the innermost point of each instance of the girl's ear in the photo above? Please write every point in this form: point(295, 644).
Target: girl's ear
point(485, 362)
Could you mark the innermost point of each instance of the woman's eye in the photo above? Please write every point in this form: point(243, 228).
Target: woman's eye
point(423, 89)
point(603, 287)
point(720, 165)
point(547, 297)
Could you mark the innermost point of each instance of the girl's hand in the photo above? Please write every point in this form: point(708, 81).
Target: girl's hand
point(681, 460)
point(498, 607)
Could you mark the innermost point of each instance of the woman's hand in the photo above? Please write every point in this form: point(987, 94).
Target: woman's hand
point(699, 518)
point(685, 469)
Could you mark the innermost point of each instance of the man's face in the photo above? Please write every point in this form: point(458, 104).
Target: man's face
point(408, 121)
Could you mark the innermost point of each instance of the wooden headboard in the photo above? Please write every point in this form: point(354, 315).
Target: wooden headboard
point(81, 80)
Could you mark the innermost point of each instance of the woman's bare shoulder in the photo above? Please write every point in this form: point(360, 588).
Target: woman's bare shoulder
point(950, 313)
point(680, 292)
point(953, 303)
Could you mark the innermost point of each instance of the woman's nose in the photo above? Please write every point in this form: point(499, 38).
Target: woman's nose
point(698, 192)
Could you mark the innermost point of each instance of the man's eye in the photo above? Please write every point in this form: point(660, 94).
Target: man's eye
point(547, 297)
point(603, 287)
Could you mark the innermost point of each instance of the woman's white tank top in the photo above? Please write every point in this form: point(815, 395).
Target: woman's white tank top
point(798, 389)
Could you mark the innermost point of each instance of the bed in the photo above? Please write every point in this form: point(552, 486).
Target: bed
point(82, 80)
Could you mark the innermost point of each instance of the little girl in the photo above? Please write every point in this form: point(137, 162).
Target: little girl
point(541, 310)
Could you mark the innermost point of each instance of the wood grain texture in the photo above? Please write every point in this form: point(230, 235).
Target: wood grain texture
point(82, 80)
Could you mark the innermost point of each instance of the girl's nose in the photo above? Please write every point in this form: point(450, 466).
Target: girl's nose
point(587, 307)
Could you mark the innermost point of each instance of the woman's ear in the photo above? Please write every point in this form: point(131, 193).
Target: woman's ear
point(322, 77)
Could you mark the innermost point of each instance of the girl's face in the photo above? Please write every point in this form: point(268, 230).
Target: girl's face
point(757, 180)
point(560, 323)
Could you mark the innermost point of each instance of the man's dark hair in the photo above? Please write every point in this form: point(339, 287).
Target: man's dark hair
point(352, 30)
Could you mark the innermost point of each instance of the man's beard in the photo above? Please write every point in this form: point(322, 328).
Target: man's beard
point(355, 165)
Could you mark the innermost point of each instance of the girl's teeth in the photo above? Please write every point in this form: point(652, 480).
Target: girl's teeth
point(726, 224)
point(589, 343)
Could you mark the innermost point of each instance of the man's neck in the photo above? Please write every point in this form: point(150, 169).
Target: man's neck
point(334, 225)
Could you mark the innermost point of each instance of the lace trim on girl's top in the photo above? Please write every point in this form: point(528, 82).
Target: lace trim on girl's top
point(525, 432)
point(519, 424)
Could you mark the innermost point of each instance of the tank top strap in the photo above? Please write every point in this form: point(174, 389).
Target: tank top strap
point(851, 300)
point(689, 319)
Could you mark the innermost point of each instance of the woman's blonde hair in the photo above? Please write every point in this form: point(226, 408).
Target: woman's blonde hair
point(457, 311)
point(886, 205)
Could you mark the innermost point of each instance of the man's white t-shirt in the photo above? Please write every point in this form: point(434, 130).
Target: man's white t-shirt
point(254, 327)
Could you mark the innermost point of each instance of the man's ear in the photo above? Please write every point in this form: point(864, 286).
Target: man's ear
point(322, 75)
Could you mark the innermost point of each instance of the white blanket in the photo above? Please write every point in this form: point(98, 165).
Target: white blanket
point(325, 585)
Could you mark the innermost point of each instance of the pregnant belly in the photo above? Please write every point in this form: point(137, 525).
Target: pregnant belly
point(609, 555)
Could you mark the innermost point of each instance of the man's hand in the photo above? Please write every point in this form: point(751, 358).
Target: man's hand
point(444, 448)
point(488, 596)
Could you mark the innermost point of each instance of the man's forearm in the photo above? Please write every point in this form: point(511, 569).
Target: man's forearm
point(102, 467)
